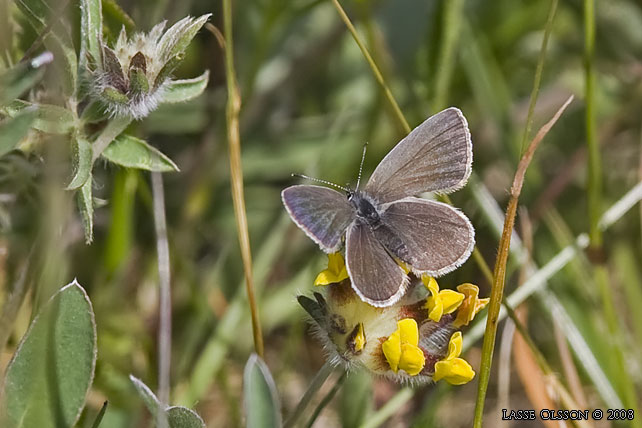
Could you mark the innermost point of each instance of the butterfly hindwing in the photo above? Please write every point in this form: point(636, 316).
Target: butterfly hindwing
point(436, 238)
point(375, 275)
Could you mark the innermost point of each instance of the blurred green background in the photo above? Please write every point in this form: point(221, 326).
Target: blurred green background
point(309, 102)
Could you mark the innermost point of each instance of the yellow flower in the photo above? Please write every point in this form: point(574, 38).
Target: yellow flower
point(471, 305)
point(336, 271)
point(440, 302)
point(454, 370)
point(401, 348)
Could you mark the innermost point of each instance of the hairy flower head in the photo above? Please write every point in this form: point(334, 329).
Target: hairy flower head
point(404, 342)
point(130, 77)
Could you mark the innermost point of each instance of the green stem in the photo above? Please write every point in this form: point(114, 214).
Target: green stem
point(499, 274)
point(538, 74)
point(316, 384)
point(453, 10)
point(373, 66)
point(113, 129)
point(236, 173)
point(594, 161)
point(328, 397)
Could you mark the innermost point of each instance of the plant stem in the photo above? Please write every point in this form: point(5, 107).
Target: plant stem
point(165, 298)
point(452, 12)
point(113, 129)
point(499, 274)
point(538, 74)
point(328, 397)
point(375, 70)
point(594, 161)
point(236, 173)
point(316, 384)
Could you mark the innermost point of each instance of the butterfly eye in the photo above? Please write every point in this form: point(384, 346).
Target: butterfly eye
point(356, 341)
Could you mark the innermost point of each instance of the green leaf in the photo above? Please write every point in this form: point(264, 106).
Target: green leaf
point(16, 81)
point(49, 118)
point(149, 398)
point(133, 152)
point(177, 416)
point(91, 31)
point(182, 417)
point(82, 153)
point(86, 208)
point(179, 35)
point(50, 374)
point(183, 90)
point(13, 130)
point(260, 398)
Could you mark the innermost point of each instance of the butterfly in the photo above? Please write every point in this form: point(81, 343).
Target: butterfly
point(385, 222)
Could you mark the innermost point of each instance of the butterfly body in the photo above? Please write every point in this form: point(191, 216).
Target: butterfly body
point(385, 222)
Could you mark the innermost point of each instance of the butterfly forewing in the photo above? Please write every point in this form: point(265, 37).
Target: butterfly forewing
point(435, 157)
point(323, 214)
point(375, 276)
point(436, 237)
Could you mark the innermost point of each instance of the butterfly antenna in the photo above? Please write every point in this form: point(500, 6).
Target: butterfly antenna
point(318, 180)
point(363, 158)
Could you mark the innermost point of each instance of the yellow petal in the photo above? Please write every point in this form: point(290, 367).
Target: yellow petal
point(392, 350)
point(435, 308)
point(412, 359)
point(454, 346)
point(456, 371)
point(450, 300)
point(409, 332)
point(360, 339)
point(431, 284)
point(470, 306)
point(336, 271)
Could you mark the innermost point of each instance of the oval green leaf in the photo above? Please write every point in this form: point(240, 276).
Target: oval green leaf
point(50, 374)
point(49, 118)
point(14, 129)
point(133, 152)
point(178, 91)
point(260, 398)
point(182, 417)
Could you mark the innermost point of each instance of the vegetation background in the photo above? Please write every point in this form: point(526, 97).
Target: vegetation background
point(309, 102)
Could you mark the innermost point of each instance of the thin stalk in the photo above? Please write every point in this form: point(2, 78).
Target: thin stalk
point(499, 274)
point(395, 107)
point(565, 397)
point(537, 283)
point(538, 74)
point(627, 388)
point(594, 161)
point(316, 384)
point(113, 129)
point(165, 297)
point(452, 12)
point(389, 409)
point(328, 397)
point(236, 173)
point(373, 66)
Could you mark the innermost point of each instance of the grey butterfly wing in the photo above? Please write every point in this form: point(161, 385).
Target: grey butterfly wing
point(374, 274)
point(323, 214)
point(435, 157)
point(435, 238)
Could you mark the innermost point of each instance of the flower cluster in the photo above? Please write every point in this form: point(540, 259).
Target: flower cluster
point(130, 78)
point(415, 340)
